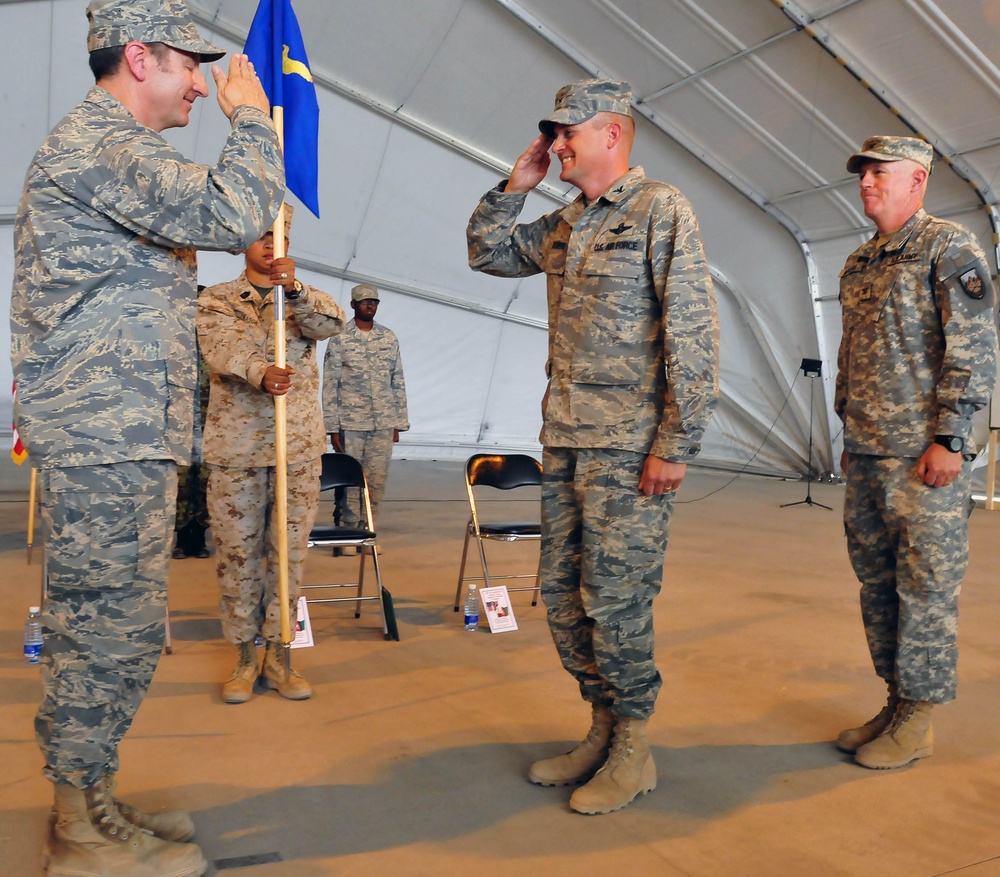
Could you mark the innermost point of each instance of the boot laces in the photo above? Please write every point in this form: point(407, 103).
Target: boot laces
point(107, 813)
point(621, 745)
point(904, 712)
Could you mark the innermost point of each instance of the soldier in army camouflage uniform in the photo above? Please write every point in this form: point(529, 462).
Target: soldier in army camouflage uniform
point(102, 348)
point(917, 359)
point(633, 379)
point(236, 332)
point(364, 398)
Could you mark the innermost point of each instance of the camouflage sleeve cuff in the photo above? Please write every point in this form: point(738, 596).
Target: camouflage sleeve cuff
point(674, 450)
point(255, 372)
point(255, 115)
point(500, 193)
point(949, 423)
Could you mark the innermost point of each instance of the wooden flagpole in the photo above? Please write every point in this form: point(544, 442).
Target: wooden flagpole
point(280, 416)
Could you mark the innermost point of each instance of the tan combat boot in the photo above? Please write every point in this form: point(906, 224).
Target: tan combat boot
point(291, 685)
point(173, 825)
point(91, 839)
point(853, 738)
point(629, 771)
point(908, 737)
point(238, 688)
point(581, 763)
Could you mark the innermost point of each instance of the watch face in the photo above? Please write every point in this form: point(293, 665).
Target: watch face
point(952, 442)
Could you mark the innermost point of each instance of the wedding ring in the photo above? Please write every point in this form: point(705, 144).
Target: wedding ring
point(284, 276)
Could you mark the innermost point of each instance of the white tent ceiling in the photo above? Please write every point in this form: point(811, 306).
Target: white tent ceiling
point(749, 106)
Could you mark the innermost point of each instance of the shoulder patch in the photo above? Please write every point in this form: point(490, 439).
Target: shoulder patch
point(972, 284)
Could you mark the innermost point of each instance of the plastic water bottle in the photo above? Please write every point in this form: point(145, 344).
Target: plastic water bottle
point(33, 636)
point(471, 609)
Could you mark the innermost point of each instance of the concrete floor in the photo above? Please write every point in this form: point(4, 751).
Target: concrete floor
point(410, 758)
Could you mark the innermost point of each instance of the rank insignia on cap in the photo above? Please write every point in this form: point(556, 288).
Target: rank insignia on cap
point(972, 283)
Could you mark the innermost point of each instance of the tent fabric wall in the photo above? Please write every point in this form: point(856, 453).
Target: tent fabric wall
point(740, 103)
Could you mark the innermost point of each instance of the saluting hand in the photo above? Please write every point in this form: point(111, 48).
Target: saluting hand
point(241, 87)
point(530, 169)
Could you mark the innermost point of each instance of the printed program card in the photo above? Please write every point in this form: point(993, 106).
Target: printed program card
point(499, 612)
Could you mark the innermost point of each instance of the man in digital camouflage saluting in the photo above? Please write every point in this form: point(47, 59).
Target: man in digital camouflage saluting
point(103, 353)
point(633, 379)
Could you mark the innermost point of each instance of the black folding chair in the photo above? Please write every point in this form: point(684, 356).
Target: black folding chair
point(342, 470)
point(501, 472)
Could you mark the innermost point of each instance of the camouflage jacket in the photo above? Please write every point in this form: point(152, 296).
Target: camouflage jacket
point(918, 352)
point(633, 327)
point(102, 308)
point(236, 333)
point(363, 386)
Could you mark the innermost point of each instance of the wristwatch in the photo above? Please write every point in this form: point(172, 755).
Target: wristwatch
point(954, 443)
point(295, 292)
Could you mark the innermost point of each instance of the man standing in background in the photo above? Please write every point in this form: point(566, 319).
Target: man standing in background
point(917, 360)
point(364, 398)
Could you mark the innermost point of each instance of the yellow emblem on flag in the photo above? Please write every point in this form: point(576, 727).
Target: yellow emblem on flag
point(290, 65)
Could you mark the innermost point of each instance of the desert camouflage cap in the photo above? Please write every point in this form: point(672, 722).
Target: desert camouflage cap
point(887, 148)
point(583, 100)
point(119, 22)
point(363, 291)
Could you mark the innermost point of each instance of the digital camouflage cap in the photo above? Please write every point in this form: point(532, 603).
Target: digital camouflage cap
point(887, 148)
point(583, 100)
point(119, 22)
point(364, 291)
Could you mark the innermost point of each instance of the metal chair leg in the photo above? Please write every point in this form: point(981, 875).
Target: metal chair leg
point(461, 569)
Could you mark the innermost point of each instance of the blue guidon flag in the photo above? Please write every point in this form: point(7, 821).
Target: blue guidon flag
point(277, 51)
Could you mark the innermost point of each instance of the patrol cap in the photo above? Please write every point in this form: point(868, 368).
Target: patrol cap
point(119, 22)
point(583, 100)
point(363, 291)
point(887, 148)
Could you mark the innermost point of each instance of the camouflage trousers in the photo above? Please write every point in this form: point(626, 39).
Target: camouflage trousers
point(373, 450)
point(909, 547)
point(241, 508)
point(110, 530)
point(603, 546)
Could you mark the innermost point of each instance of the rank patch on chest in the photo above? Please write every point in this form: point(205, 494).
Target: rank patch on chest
point(972, 283)
point(865, 293)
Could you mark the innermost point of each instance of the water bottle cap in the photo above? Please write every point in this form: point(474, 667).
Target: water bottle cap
point(34, 610)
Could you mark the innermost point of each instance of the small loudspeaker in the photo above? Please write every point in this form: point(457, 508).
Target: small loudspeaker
point(811, 368)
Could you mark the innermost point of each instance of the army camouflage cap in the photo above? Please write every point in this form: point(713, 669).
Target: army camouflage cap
point(583, 100)
point(119, 22)
point(886, 148)
point(364, 291)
